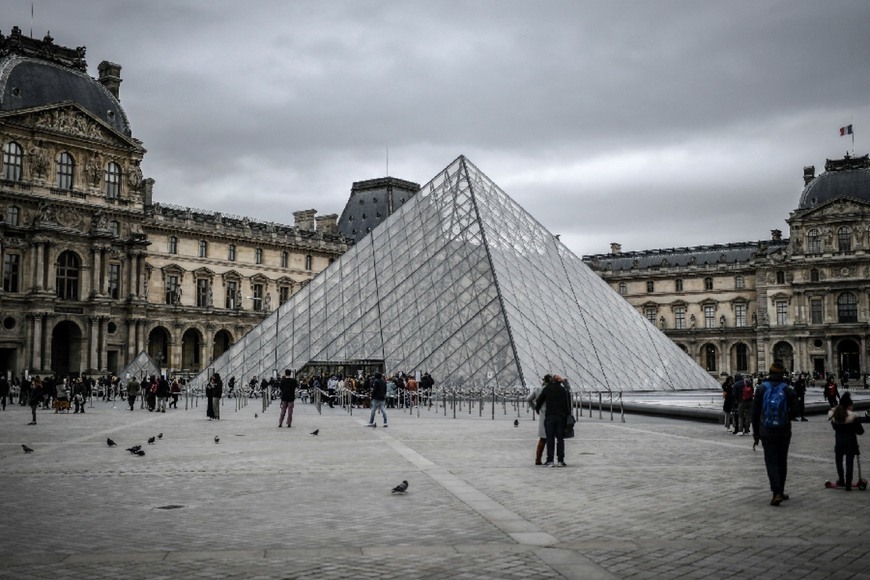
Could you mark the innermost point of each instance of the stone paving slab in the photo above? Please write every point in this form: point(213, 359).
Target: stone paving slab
point(649, 498)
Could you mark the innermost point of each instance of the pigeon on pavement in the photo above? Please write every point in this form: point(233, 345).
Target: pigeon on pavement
point(110, 443)
point(255, 415)
point(516, 422)
point(217, 439)
point(402, 487)
point(151, 440)
point(315, 432)
point(140, 452)
point(134, 449)
point(26, 448)
point(160, 435)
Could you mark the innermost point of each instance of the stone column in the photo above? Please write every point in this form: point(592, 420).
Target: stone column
point(49, 276)
point(46, 356)
point(93, 340)
point(36, 351)
point(36, 265)
point(131, 280)
point(829, 349)
point(102, 351)
point(141, 343)
point(863, 356)
point(97, 271)
point(131, 340)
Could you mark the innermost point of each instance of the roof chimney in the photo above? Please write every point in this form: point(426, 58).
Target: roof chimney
point(304, 219)
point(110, 77)
point(809, 174)
point(615, 248)
point(327, 224)
point(776, 235)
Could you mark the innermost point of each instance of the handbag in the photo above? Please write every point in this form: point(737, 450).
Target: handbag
point(569, 422)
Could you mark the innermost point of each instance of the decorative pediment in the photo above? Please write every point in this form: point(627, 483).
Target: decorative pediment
point(203, 273)
point(259, 279)
point(69, 119)
point(774, 298)
point(230, 275)
point(173, 270)
point(285, 281)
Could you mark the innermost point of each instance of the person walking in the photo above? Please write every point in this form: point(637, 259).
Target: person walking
point(175, 391)
point(743, 394)
point(729, 406)
point(4, 390)
point(773, 408)
point(288, 397)
point(379, 399)
point(163, 392)
point(542, 429)
point(133, 388)
point(556, 399)
point(831, 392)
point(847, 426)
point(217, 391)
point(800, 389)
point(34, 397)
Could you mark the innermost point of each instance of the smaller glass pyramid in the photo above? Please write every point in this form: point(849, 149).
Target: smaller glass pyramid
point(461, 282)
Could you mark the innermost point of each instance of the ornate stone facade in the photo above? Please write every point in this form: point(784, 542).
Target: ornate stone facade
point(736, 307)
point(94, 271)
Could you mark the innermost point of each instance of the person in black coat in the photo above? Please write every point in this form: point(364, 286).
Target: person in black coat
point(556, 398)
point(847, 426)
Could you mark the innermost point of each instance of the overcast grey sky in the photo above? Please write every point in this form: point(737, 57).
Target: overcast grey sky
point(650, 123)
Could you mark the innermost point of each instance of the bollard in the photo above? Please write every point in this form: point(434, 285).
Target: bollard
point(454, 404)
point(600, 416)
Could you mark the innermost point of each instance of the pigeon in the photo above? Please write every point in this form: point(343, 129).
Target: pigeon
point(217, 439)
point(110, 443)
point(151, 440)
point(134, 449)
point(315, 432)
point(255, 415)
point(402, 487)
point(516, 422)
point(141, 453)
point(160, 435)
point(26, 448)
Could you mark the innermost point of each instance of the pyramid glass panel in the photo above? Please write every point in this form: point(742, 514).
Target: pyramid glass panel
point(462, 282)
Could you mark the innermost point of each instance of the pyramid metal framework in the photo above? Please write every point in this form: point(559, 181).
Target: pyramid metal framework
point(140, 367)
point(463, 283)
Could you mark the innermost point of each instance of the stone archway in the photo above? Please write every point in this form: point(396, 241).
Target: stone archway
point(66, 349)
point(191, 349)
point(158, 346)
point(849, 358)
point(223, 340)
point(783, 351)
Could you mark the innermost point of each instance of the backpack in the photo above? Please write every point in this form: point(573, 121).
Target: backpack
point(747, 392)
point(774, 408)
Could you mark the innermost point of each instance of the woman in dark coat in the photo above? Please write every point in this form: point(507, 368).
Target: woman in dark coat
point(847, 426)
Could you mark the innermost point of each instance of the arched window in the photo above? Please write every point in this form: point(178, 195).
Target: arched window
point(847, 307)
point(623, 288)
point(308, 262)
point(814, 241)
point(68, 269)
point(708, 283)
point(113, 180)
point(13, 161)
point(844, 239)
point(65, 169)
point(710, 357)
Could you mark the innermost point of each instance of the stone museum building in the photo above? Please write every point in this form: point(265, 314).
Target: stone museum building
point(95, 270)
point(736, 307)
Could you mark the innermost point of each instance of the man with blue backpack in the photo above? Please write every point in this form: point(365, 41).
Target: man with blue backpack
point(773, 409)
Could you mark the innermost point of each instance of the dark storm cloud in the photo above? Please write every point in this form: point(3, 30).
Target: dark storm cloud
point(655, 124)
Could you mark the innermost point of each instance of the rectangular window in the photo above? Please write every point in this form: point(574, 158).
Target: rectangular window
point(258, 256)
point(739, 315)
point(12, 215)
point(781, 312)
point(114, 281)
point(113, 180)
point(814, 242)
point(232, 295)
point(678, 285)
point(650, 286)
point(650, 312)
point(308, 262)
point(709, 316)
point(173, 245)
point(739, 284)
point(203, 249)
point(203, 294)
point(115, 228)
point(258, 297)
point(11, 272)
point(817, 311)
point(285, 258)
point(680, 317)
point(283, 294)
point(172, 290)
point(231, 253)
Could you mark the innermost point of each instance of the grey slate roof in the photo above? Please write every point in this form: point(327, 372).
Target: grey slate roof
point(735, 253)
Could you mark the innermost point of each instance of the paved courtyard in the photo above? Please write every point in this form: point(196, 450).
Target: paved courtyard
point(648, 498)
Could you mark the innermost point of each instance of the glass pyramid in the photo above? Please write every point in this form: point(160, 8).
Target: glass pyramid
point(463, 283)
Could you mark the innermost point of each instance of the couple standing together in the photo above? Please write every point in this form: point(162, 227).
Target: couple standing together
point(552, 401)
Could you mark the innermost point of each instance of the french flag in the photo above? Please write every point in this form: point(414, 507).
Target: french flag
point(847, 130)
